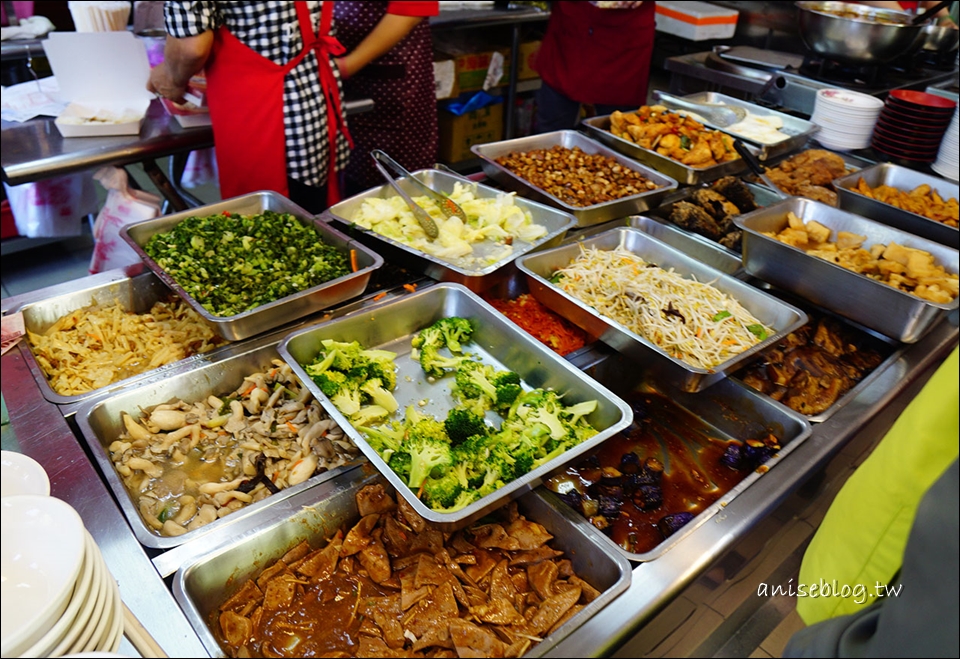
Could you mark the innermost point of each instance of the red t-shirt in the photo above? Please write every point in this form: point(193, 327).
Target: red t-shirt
point(598, 56)
point(413, 8)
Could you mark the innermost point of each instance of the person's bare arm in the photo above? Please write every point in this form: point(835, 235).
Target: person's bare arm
point(387, 34)
point(182, 59)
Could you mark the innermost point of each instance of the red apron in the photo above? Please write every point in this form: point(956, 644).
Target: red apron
point(598, 56)
point(245, 95)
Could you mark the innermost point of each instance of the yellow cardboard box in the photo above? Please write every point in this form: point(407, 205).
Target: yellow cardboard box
point(528, 60)
point(458, 134)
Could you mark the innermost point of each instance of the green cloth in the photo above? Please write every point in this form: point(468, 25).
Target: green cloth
point(862, 538)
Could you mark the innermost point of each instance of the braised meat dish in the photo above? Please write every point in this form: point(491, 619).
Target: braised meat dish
point(813, 367)
point(709, 212)
point(395, 586)
point(810, 174)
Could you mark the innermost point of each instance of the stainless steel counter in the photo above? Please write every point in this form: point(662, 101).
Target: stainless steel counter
point(41, 431)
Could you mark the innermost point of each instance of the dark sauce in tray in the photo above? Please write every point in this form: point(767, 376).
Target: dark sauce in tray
point(693, 478)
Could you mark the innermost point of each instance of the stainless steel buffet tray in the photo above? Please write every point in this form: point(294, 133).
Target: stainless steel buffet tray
point(904, 179)
point(799, 131)
point(894, 313)
point(731, 410)
point(496, 341)
point(137, 294)
point(599, 128)
point(279, 312)
point(201, 585)
point(476, 276)
point(101, 423)
point(781, 317)
point(569, 139)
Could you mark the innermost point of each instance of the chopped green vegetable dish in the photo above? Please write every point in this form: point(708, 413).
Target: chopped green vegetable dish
point(233, 263)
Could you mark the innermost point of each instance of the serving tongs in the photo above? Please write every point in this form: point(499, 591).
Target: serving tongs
point(757, 168)
point(718, 115)
point(447, 206)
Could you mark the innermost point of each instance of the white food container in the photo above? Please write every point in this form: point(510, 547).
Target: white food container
point(103, 76)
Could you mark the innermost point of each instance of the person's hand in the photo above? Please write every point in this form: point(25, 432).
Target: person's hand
point(344, 67)
point(162, 83)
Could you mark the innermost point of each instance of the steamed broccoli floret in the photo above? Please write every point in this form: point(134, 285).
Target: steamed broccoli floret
point(368, 414)
point(456, 331)
point(379, 395)
point(428, 336)
point(348, 399)
point(345, 355)
point(441, 492)
point(460, 470)
point(550, 419)
point(426, 454)
point(435, 365)
point(386, 372)
point(329, 381)
point(507, 385)
point(385, 439)
point(491, 482)
point(400, 463)
point(462, 423)
point(464, 499)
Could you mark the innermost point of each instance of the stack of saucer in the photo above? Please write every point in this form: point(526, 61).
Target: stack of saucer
point(846, 118)
point(948, 159)
point(58, 597)
point(912, 125)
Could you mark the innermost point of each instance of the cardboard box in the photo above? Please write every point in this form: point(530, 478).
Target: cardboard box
point(458, 134)
point(697, 21)
point(103, 76)
point(528, 61)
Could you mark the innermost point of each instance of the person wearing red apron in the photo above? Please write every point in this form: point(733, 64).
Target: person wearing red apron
point(394, 67)
point(593, 56)
point(273, 91)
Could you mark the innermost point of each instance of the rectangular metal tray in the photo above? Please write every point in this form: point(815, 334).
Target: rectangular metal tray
point(599, 128)
point(138, 294)
point(496, 341)
point(569, 139)
point(700, 247)
point(476, 277)
point(202, 585)
point(853, 163)
point(881, 342)
point(279, 312)
point(799, 131)
point(101, 423)
point(904, 179)
point(729, 407)
point(882, 308)
point(780, 316)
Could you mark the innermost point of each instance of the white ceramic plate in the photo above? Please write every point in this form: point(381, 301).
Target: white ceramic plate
point(21, 474)
point(42, 552)
point(84, 617)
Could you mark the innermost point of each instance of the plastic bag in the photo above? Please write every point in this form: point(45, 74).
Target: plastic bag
point(201, 169)
point(54, 207)
point(124, 206)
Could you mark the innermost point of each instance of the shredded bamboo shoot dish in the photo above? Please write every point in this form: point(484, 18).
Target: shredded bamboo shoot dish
point(92, 347)
point(690, 320)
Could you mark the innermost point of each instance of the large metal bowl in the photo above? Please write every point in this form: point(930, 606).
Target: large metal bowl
point(940, 38)
point(859, 40)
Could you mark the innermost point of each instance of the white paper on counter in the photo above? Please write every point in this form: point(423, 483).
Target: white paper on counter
point(27, 100)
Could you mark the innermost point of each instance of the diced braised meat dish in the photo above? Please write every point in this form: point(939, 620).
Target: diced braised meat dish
point(395, 586)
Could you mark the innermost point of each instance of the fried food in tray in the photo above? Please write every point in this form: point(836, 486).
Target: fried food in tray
point(575, 177)
point(810, 174)
point(673, 135)
point(922, 200)
point(394, 586)
point(709, 212)
point(913, 271)
point(811, 368)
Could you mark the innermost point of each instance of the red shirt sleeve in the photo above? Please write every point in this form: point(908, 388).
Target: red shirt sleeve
point(413, 8)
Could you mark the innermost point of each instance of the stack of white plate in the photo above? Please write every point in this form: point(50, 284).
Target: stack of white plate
point(58, 597)
point(948, 158)
point(846, 118)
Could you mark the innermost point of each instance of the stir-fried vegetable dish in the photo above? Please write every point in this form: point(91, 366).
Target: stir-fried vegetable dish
point(233, 263)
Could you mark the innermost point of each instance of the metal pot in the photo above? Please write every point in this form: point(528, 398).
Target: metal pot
point(940, 38)
point(859, 40)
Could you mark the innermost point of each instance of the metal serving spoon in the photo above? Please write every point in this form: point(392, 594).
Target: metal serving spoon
point(719, 115)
